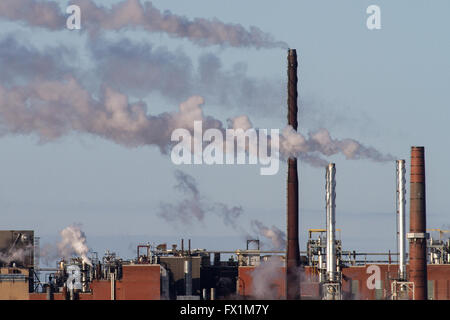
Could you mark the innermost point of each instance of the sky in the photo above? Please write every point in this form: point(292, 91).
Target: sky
point(386, 88)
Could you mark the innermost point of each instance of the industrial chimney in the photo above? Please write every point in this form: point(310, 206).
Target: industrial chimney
point(331, 221)
point(293, 252)
point(331, 287)
point(401, 204)
point(418, 236)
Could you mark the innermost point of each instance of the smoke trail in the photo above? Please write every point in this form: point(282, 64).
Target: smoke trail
point(36, 13)
point(275, 235)
point(194, 206)
point(187, 209)
point(132, 14)
point(20, 62)
point(141, 68)
point(74, 242)
point(267, 278)
point(320, 142)
point(52, 109)
point(293, 143)
point(16, 254)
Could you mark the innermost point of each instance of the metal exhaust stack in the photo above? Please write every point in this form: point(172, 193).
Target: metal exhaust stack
point(331, 289)
point(293, 252)
point(401, 204)
point(188, 276)
point(418, 236)
point(331, 221)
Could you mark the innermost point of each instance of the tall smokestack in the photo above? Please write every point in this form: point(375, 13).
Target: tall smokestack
point(401, 204)
point(331, 221)
point(418, 236)
point(293, 254)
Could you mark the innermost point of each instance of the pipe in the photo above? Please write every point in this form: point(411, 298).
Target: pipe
point(113, 286)
point(188, 276)
point(65, 293)
point(401, 204)
point(331, 220)
point(213, 294)
point(293, 254)
point(49, 292)
point(418, 236)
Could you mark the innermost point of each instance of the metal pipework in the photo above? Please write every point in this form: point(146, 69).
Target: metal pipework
point(418, 236)
point(293, 252)
point(188, 276)
point(401, 204)
point(331, 220)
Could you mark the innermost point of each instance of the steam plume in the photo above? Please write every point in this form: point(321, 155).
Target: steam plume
point(73, 241)
point(16, 254)
point(266, 278)
point(52, 109)
point(275, 235)
point(132, 14)
point(294, 144)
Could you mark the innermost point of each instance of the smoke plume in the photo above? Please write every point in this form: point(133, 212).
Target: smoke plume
point(142, 68)
point(35, 13)
point(294, 144)
point(319, 143)
point(134, 14)
point(194, 206)
point(276, 236)
point(267, 278)
point(52, 109)
point(73, 241)
point(16, 254)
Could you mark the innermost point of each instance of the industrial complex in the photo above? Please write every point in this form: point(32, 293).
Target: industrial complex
point(320, 269)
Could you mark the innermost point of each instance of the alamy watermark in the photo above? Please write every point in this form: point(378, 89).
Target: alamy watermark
point(236, 147)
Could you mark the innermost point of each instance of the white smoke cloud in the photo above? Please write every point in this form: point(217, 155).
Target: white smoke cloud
point(16, 254)
point(140, 69)
point(276, 236)
point(73, 241)
point(134, 14)
point(52, 109)
point(320, 142)
point(267, 278)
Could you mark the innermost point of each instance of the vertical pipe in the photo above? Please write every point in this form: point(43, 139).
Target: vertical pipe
point(331, 220)
point(401, 204)
point(113, 286)
point(49, 292)
point(213, 293)
point(417, 236)
point(188, 276)
point(293, 254)
point(64, 292)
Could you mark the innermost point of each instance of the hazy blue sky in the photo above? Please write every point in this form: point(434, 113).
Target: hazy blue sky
point(386, 88)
